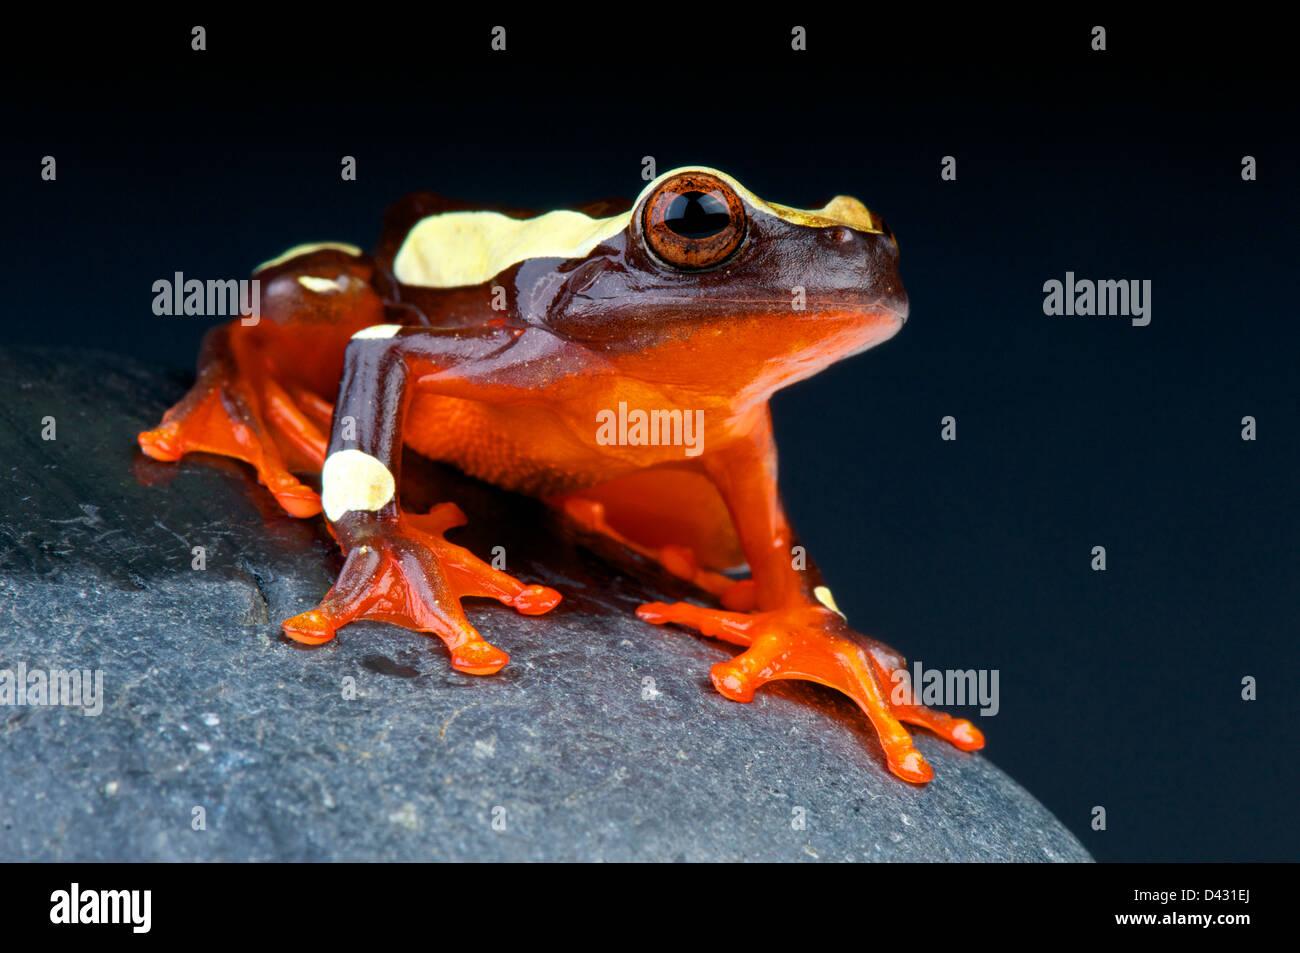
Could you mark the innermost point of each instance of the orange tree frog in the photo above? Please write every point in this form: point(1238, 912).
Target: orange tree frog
point(615, 361)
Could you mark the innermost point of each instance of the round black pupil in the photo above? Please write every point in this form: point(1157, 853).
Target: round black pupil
point(697, 215)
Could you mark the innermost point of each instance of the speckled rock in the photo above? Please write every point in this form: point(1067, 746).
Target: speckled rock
point(218, 739)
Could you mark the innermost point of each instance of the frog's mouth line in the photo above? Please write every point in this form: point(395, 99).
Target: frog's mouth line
point(782, 305)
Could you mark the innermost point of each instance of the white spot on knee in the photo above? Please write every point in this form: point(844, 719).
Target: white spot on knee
point(352, 480)
point(377, 331)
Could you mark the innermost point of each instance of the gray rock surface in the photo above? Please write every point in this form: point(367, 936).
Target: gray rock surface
point(206, 706)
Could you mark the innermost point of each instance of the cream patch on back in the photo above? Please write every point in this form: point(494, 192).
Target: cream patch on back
point(467, 248)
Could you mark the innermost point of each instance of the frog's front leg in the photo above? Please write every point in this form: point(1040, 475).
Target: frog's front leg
point(796, 630)
point(399, 568)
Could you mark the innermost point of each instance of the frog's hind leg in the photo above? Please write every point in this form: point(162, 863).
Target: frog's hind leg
point(236, 410)
point(257, 397)
point(673, 517)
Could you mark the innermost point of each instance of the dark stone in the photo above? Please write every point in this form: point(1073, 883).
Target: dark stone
point(207, 705)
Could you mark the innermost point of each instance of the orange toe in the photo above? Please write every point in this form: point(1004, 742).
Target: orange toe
point(478, 658)
point(309, 628)
point(535, 600)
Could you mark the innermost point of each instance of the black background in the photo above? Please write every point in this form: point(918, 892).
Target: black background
point(1119, 689)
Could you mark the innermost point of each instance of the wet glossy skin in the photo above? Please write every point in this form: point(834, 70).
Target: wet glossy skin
point(703, 301)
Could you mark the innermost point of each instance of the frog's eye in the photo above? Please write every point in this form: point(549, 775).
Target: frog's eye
point(694, 220)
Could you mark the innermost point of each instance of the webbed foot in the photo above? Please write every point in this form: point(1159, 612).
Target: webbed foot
point(404, 572)
point(815, 644)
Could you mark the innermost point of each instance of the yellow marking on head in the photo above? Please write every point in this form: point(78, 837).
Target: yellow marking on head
point(846, 210)
point(841, 210)
point(307, 249)
point(324, 285)
point(352, 480)
point(824, 596)
point(376, 331)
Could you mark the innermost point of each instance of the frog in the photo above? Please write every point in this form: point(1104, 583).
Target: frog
point(615, 360)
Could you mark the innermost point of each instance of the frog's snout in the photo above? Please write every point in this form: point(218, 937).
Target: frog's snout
point(865, 264)
point(898, 305)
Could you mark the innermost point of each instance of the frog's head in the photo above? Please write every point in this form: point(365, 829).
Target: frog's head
point(699, 283)
point(707, 274)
